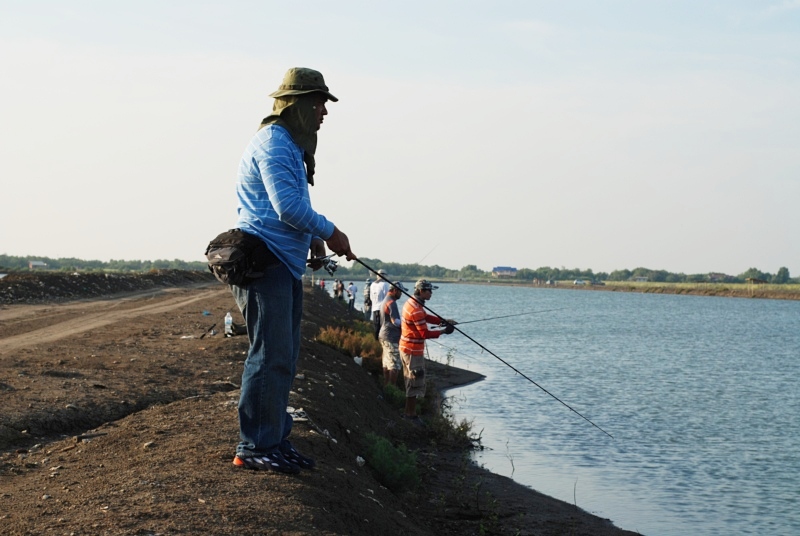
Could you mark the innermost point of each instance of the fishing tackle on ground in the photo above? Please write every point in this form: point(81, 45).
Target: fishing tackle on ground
point(455, 328)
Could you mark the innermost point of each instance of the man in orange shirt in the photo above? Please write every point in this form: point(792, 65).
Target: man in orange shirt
point(413, 332)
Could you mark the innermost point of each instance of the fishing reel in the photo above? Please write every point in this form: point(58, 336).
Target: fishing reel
point(330, 265)
point(328, 262)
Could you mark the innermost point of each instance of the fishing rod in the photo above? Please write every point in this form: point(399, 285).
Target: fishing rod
point(428, 253)
point(509, 316)
point(506, 363)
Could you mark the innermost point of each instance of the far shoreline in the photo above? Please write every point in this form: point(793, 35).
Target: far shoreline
point(725, 290)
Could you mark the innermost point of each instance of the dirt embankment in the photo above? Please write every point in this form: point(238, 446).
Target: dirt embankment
point(53, 287)
point(119, 417)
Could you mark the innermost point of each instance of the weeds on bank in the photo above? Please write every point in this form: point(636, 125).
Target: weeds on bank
point(460, 481)
point(444, 427)
point(364, 328)
point(352, 341)
point(445, 430)
point(491, 518)
point(510, 458)
point(394, 396)
point(395, 467)
point(450, 357)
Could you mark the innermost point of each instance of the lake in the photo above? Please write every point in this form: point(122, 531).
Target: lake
point(700, 393)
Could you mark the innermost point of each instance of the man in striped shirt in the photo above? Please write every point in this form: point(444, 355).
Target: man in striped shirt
point(414, 331)
point(274, 205)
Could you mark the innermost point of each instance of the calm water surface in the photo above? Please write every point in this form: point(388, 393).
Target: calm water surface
point(701, 395)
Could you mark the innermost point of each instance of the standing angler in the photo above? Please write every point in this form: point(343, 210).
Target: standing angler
point(414, 331)
point(352, 289)
point(377, 292)
point(273, 204)
point(367, 302)
point(389, 334)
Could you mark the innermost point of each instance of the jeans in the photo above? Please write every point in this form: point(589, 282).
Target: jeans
point(272, 308)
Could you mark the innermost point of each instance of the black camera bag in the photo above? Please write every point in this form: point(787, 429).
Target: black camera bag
point(237, 258)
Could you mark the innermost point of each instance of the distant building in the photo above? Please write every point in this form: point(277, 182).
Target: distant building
point(640, 279)
point(504, 271)
point(37, 265)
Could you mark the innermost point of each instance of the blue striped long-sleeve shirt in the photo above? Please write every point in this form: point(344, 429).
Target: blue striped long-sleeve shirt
point(273, 200)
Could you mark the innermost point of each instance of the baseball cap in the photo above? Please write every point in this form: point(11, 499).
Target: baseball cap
point(424, 284)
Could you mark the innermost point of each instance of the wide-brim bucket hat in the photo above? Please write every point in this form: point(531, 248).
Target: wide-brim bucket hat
point(301, 80)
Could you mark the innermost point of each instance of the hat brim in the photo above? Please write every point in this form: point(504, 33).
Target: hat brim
point(284, 92)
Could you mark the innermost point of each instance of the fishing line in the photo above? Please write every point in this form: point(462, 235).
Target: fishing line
point(509, 316)
point(506, 363)
point(426, 255)
point(455, 351)
point(451, 350)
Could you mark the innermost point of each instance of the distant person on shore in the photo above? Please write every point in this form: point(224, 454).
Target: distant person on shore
point(413, 332)
point(340, 289)
point(351, 296)
point(367, 302)
point(377, 292)
point(272, 187)
point(322, 284)
point(389, 334)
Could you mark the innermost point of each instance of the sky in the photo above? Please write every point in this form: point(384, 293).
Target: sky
point(584, 134)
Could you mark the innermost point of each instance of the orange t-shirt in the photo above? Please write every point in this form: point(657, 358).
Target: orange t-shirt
point(414, 327)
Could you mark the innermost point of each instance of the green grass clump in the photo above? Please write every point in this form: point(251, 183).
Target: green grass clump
point(395, 467)
point(394, 396)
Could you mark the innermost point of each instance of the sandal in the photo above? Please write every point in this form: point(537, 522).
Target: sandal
point(273, 461)
point(293, 456)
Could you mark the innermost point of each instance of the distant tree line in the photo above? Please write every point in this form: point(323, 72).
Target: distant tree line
point(409, 272)
point(10, 263)
point(471, 272)
point(662, 276)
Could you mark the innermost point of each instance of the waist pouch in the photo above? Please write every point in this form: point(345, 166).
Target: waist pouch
point(236, 257)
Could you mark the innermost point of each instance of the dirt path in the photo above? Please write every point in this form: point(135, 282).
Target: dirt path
point(68, 319)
